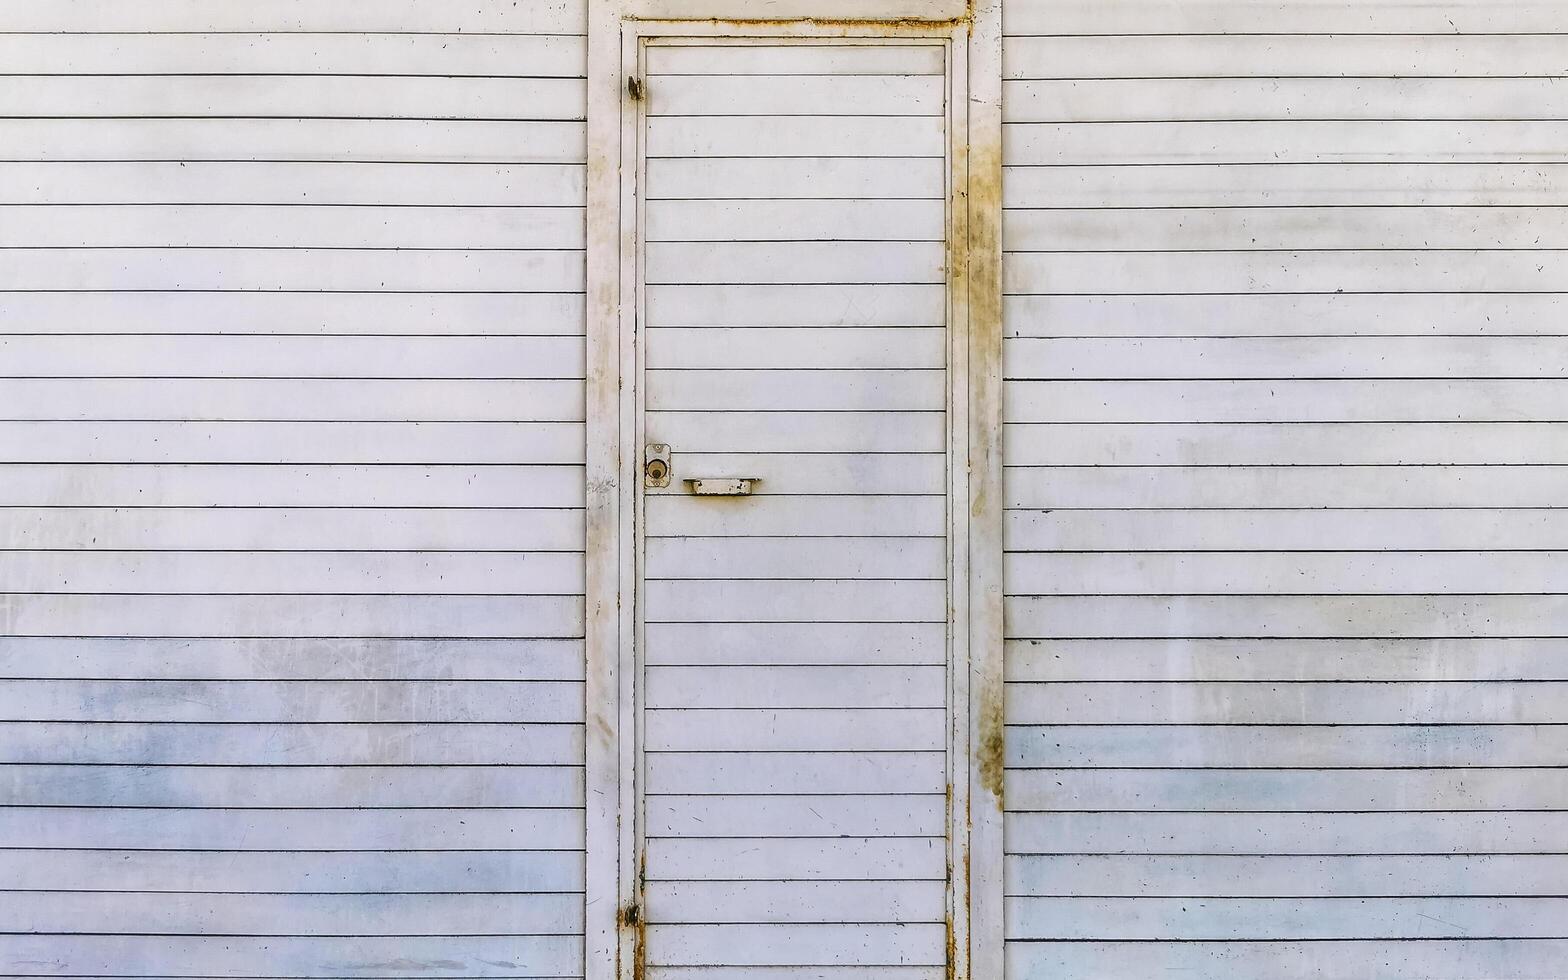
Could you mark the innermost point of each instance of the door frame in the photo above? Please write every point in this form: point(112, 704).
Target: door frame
point(614, 928)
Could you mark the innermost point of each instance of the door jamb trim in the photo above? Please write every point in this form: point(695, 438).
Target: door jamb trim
point(613, 913)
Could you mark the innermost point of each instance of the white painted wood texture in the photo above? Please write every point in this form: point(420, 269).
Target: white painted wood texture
point(794, 684)
point(1284, 403)
point(291, 527)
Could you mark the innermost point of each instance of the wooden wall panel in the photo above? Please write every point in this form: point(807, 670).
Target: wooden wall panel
point(291, 367)
point(1286, 614)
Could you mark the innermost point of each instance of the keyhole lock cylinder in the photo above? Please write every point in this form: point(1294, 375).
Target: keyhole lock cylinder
point(656, 466)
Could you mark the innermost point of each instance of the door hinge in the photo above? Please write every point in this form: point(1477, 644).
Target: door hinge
point(634, 88)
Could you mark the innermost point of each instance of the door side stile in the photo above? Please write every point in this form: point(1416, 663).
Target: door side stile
point(633, 397)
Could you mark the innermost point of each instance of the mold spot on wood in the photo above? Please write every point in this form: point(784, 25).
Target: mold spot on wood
point(990, 750)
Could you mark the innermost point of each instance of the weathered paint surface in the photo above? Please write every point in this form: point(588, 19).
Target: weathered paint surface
point(292, 492)
point(1273, 620)
point(292, 659)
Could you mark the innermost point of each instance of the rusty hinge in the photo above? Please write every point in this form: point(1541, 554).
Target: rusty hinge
point(634, 88)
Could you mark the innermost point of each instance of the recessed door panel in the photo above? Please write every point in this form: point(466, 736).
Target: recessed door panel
point(794, 594)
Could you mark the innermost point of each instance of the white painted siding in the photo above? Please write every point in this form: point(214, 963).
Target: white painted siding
point(796, 689)
point(291, 446)
point(1285, 617)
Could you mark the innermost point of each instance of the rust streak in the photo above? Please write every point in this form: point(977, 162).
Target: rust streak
point(942, 25)
point(632, 918)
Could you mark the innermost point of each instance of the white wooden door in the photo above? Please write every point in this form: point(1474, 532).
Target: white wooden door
point(794, 667)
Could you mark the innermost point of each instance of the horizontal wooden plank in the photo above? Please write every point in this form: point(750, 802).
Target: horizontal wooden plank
point(1164, 487)
point(1307, 918)
point(221, 956)
point(1305, 444)
point(842, 306)
point(1287, 530)
point(850, 815)
point(367, 496)
point(230, 399)
point(1275, 315)
point(1277, 400)
point(1288, 573)
point(799, 432)
point(1393, 271)
point(864, 180)
point(1185, 183)
point(1297, 141)
point(283, 786)
point(426, 828)
point(791, 729)
point(280, 52)
point(789, 93)
point(294, 573)
point(1287, 616)
point(793, 59)
point(432, 617)
point(802, 686)
point(164, 744)
point(1209, 99)
point(301, 183)
point(420, 16)
point(291, 701)
point(794, 220)
point(1304, 876)
point(1476, 832)
point(786, 390)
point(691, 644)
point(1271, 55)
point(797, 944)
point(293, 97)
point(1112, 17)
point(795, 136)
point(827, 515)
point(1384, 744)
point(296, 226)
point(1469, 959)
point(1243, 228)
point(1287, 357)
point(344, 140)
point(291, 442)
point(417, 872)
point(1413, 702)
point(1287, 659)
point(818, 473)
point(1309, 789)
point(198, 526)
point(803, 859)
point(783, 348)
point(392, 314)
point(743, 558)
point(293, 659)
point(751, 773)
point(794, 901)
point(68, 913)
point(324, 270)
point(468, 358)
point(796, 601)
point(794, 263)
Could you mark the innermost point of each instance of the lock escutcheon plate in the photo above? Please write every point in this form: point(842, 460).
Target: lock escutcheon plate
point(656, 466)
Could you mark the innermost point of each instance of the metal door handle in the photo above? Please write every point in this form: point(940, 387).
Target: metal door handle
point(722, 486)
